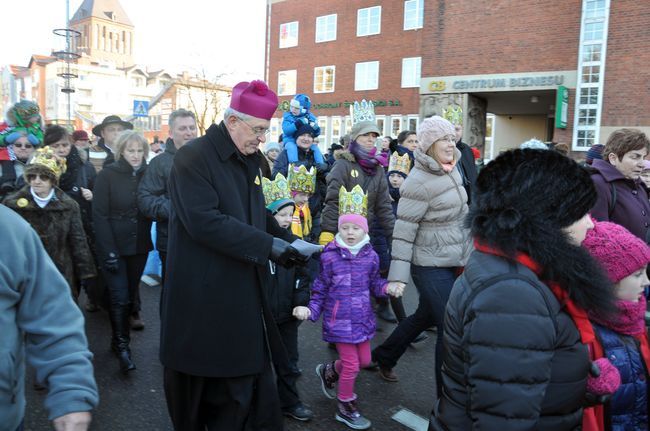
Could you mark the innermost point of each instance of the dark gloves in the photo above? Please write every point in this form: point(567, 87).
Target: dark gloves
point(111, 265)
point(284, 254)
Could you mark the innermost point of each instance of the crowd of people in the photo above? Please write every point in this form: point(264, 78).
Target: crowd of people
point(533, 273)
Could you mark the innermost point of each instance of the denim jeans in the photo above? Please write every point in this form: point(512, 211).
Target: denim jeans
point(433, 285)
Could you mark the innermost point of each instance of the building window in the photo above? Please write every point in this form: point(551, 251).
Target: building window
point(411, 68)
point(413, 14)
point(589, 96)
point(289, 34)
point(336, 131)
point(591, 52)
point(326, 28)
point(395, 126)
point(369, 21)
point(590, 73)
point(591, 64)
point(381, 121)
point(286, 82)
point(348, 124)
point(322, 138)
point(413, 121)
point(137, 81)
point(594, 31)
point(275, 130)
point(366, 76)
point(324, 79)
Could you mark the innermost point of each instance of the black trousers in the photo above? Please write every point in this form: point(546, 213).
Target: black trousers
point(287, 389)
point(247, 403)
point(124, 285)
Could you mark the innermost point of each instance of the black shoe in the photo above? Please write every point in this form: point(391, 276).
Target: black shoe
point(126, 364)
point(299, 413)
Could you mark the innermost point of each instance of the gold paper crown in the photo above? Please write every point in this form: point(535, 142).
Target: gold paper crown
point(453, 114)
point(399, 163)
point(275, 190)
point(353, 202)
point(46, 157)
point(301, 179)
point(364, 111)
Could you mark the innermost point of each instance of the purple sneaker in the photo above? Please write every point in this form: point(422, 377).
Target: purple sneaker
point(348, 413)
point(328, 378)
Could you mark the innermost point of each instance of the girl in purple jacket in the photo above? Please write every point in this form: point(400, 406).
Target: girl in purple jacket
point(349, 274)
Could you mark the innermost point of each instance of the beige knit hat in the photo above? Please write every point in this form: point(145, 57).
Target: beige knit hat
point(432, 129)
point(363, 127)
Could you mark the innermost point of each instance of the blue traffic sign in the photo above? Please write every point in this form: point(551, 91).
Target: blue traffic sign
point(140, 108)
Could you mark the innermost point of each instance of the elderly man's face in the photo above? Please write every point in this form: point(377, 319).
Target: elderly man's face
point(248, 135)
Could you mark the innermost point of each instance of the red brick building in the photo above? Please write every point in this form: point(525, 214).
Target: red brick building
point(559, 70)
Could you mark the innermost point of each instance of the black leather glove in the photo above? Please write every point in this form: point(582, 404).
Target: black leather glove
point(282, 253)
point(111, 265)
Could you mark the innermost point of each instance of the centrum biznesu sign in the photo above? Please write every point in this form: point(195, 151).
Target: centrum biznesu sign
point(499, 82)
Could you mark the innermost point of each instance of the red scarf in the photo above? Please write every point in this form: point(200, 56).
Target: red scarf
point(593, 418)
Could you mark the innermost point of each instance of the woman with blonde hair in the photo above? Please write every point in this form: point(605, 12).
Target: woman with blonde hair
point(430, 241)
point(123, 237)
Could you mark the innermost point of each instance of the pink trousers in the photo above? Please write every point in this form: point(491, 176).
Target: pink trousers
point(353, 357)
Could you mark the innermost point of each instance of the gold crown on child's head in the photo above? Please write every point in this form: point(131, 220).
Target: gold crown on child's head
point(353, 202)
point(276, 189)
point(46, 157)
point(301, 179)
point(399, 163)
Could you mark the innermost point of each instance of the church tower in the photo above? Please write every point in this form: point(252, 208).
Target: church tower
point(106, 32)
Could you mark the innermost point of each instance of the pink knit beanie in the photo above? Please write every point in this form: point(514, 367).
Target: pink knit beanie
point(432, 129)
point(616, 249)
point(357, 219)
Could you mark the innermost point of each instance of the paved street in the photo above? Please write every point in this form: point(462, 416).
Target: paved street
point(137, 402)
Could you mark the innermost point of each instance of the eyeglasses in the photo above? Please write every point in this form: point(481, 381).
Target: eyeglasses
point(448, 138)
point(258, 131)
point(25, 146)
point(32, 177)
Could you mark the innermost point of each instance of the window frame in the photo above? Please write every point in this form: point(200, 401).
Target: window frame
point(333, 67)
point(368, 19)
point(326, 24)
point(295, 82)
point(417, 70)
point(287, 43)
point(357, 86)
point(419, 17)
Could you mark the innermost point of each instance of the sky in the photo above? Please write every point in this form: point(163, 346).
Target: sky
point(220, 36)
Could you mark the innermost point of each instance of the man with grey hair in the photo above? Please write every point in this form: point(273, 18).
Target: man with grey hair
point(153, 198)
point(215, 319)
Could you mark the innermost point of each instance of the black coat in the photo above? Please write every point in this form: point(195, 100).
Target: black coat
point(110, 157)
point(212, 323)
point(153, 196)
point(467, 168)
point(289, 288)
point(513, 357)
point(120, 228)
point(79, 173)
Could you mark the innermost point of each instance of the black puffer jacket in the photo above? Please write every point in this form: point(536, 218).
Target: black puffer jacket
point(120, 228)
point(153, 195)
point(513, 358)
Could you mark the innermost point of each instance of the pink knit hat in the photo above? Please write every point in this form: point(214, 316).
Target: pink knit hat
point(357, 219)
point(616, 249)
point(255, 99)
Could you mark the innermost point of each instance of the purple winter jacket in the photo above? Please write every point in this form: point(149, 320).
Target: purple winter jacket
point(632, 208)
point(341, 293)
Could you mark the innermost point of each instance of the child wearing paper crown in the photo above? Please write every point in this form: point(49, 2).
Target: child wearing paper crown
point(302, 184)
point(299, 114)
point(349, 274)
point(621, 351)
point(289, 288)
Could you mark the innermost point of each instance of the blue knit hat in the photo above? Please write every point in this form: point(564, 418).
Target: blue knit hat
point(595, 152)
